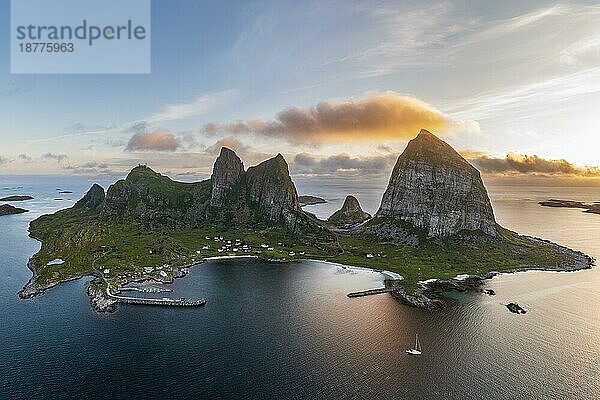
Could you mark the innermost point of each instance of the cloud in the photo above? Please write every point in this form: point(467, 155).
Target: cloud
point(229, 142)
point(159, 140)
point(371, 118)
point(186, 140)
point(198, 106)
point(308, 164)
point(511, 25)
point(555, 90)
point(3, 160)
point(528, 164)
point(579, 52)
point(81, 128)
point(136, 126)
point(90, 168)
point(24, 157)
point(59, 158)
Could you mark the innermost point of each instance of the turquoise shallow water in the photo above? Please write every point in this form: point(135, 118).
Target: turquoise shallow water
point(288, 331)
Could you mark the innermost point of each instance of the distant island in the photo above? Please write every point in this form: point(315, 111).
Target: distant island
point(593, 208)
point(16, 198)
point(310, 200)
point(435, 228)
point(7, 209)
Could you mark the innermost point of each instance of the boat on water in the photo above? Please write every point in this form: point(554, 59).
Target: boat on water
point(416, 351)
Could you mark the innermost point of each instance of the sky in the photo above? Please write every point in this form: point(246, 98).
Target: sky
point(338, 87)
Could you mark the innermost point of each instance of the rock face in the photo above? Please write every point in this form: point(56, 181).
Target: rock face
point(435, 189)
point(272, 191)
point(350, 214)
point(264, 193)
point(310, 200)
point(93, 199)
point(227, 172)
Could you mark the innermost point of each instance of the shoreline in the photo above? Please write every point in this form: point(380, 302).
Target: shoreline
point(425, 297)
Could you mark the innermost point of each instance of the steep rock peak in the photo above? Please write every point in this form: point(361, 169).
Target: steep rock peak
point(428, 147)
point(271, 188)
point(227, 172)
point(351, 204)
point(351, 213)
point(93, 199)
point(434, 188)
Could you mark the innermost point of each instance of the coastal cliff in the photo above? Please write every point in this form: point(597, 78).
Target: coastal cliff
point(228, 171)
point(435, 189)
point(263, 194)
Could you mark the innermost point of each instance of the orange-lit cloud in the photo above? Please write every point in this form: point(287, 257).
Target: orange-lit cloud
point(230, 142)
point(304, 163)
point(160, 140)
point(527, 164)
point(374, 117)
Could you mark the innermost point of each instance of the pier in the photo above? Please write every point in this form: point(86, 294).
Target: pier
point(370, 292)
point(181, 302)
point(149, 289)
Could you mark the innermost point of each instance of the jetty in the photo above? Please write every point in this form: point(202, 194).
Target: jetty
point(149, 289)
point(165, 301)
point(370, 292)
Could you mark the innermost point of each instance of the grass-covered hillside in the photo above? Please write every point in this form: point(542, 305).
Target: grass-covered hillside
point(80, 238)
point(147, 225)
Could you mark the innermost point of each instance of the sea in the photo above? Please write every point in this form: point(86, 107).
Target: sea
point(288, 330)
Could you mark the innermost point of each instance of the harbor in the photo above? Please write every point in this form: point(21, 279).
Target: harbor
point(165, 301)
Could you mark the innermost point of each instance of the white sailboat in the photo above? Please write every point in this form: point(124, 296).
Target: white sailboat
point(417, 350)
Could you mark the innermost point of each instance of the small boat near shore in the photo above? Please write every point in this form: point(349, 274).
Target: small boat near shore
point(416, 351)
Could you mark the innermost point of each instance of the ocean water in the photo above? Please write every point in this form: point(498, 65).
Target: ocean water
point(288, 331)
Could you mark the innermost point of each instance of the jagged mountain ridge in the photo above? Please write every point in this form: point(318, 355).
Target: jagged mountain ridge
point(432, 188)
point(264, 194)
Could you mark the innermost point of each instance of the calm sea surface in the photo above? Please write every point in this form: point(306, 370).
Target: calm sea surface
point(288, 331)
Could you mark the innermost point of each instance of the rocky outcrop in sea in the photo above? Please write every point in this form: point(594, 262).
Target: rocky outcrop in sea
point(350, 214)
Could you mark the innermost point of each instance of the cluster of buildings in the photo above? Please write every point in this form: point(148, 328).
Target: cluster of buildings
point(237, 247)
point(371, 255)
point(146, 273)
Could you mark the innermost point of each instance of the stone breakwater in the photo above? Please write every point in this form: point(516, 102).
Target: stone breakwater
point(427, 295)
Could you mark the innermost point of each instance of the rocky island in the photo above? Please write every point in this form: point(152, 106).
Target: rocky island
point(7, 209)
point(593, 208)
point(351, 214)
point(16, 198)
point(435, 227)
point(310, 200)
